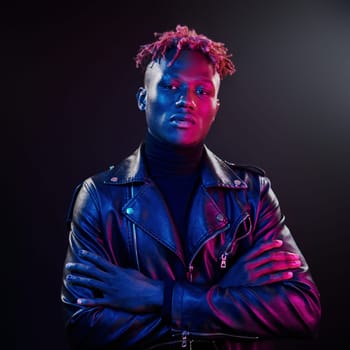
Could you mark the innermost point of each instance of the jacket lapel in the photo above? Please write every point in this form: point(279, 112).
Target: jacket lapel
point(209, 211)
point(148, 210)
point(205, 221)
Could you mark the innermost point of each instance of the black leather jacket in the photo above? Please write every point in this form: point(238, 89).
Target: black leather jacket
point(120, 215)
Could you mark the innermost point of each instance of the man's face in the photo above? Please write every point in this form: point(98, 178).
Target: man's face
point(180, 101)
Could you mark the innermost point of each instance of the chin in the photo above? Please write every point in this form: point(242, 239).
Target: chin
point(187, 143)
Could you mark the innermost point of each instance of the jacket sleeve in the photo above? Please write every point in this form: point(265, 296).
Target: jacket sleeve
point(290, 308)
point(98, 327)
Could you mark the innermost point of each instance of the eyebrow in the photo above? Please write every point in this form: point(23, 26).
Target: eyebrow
point(200, 79)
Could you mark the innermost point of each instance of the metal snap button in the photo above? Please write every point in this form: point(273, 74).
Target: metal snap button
point(129, 210)
point(220, 217)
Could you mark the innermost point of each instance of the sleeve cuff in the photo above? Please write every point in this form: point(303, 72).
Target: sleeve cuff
point(168, 295)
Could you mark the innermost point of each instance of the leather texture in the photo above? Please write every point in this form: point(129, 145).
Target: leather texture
point(121, 215)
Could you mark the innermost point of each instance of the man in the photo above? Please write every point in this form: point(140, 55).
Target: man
point(173, 243)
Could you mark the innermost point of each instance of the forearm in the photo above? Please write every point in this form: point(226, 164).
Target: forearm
point(99, 328)
point(282, 309)
point(96, 321)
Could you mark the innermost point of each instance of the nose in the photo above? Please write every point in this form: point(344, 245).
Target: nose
point(185, 102)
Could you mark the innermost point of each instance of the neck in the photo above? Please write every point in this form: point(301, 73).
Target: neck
point(165, 159)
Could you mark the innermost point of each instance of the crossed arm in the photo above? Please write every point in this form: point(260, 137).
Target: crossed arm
point(129, 290)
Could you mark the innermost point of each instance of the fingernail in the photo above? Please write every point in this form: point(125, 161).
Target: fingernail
point(69, 277)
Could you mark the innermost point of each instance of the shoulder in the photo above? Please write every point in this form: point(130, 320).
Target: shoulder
point(103, 174)
point(255, 178)
point(92, 183)
point(83, 194)
point(251, 168)
point(99, 179)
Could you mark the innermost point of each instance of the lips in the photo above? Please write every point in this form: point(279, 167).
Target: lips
point(182, 118)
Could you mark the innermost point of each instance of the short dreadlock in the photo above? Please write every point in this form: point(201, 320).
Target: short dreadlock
point(185, 38)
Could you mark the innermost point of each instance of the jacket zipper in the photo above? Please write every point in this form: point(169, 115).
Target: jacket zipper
point(225, 252)
point(223, 260)
point(189, 273)
point(185, 336)
point(190, 266)
point(184, 339)
point(134, 237)
point(215, 335)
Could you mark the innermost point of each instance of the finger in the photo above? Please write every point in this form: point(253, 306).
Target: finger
point(276, 266)
point(85, 282)
point(91, 302)
point(273, 278)
point(264, 247)
point(281, 255)
point(87, 270)
point(270, 256)
point(86, 302)
point(96, 259)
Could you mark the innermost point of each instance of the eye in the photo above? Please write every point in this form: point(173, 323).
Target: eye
point(200, 90)
point(169, 86)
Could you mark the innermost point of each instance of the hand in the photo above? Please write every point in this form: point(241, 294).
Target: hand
point(122, 288)
point(264, 264)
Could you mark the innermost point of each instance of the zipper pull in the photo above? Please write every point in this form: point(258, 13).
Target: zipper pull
point(184, 339)
point(223, 260)
point(189, 273)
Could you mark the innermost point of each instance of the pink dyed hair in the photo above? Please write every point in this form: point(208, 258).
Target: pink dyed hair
point(185, 38)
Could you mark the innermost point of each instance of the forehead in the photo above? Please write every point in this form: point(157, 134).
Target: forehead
point(189, 63)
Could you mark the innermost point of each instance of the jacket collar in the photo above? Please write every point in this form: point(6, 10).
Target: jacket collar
point(215, 172)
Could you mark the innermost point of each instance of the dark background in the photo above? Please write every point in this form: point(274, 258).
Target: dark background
point(70, 111)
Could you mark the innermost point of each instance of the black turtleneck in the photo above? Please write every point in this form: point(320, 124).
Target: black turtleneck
point(175, 171)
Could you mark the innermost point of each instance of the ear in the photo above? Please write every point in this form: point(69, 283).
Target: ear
point(217, 107)
point(141, 98)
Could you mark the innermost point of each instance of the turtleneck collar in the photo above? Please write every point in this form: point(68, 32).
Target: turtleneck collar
point(168, 160)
